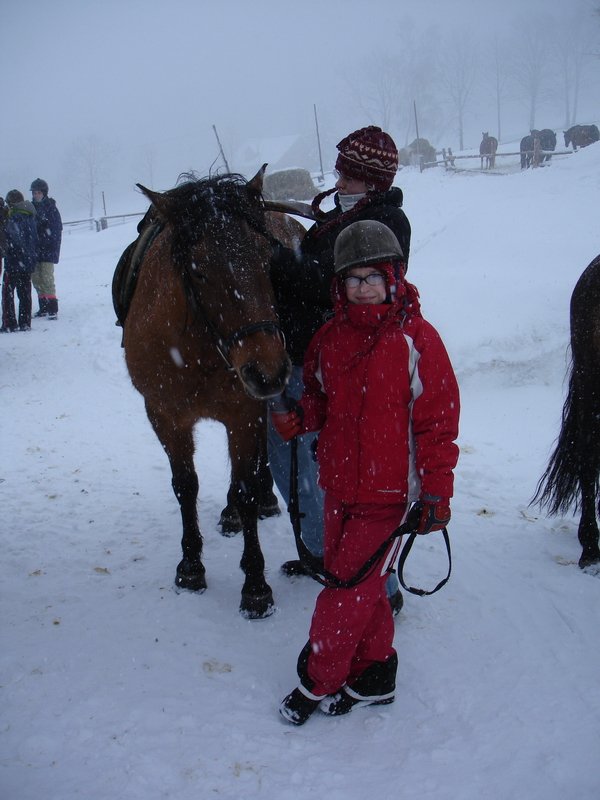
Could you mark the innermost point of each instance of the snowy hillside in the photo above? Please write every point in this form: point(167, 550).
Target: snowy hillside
point(115, 686)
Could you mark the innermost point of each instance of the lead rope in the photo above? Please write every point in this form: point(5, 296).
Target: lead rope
point(331, 581)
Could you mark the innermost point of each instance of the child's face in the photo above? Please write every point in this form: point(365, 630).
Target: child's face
point(370, 290)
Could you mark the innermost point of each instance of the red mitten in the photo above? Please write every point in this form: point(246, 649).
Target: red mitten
point(429, 515)
point(287, 423)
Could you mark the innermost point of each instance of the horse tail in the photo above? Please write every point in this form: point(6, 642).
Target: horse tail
point(558, 488)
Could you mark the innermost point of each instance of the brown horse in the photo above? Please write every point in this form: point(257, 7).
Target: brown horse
point(202, 341)
point(581, 135)
point(573, 473)
point(487, 150)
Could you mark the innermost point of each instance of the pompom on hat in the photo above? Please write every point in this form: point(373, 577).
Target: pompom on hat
point(369, 155)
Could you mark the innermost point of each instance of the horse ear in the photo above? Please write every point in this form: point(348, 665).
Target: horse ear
point(158, 200)
point(256, 184)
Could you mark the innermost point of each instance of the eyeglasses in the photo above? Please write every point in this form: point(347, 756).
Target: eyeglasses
point(372, 279)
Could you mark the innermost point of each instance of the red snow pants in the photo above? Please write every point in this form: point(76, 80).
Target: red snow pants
point(353, 628)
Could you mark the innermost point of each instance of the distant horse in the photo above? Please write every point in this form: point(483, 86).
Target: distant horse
point(487, 150)
point(581, 135)
point(202, 341)
point(573, 473)
point(547, 140)
point(526, 149)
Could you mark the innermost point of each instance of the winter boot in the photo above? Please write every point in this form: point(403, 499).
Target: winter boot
point(298, 706)
point(396, 601)
point(375, 687)
point(52, 308)
point(43, 312)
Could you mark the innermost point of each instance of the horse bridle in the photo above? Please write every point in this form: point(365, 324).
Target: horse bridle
point(224, 344)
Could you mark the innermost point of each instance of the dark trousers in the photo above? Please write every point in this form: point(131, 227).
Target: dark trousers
point(21, 282)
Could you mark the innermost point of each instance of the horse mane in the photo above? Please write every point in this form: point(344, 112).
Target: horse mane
point(210, 198)
point(199, 206)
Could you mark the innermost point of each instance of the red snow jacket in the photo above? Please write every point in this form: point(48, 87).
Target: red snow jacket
point(380, 388)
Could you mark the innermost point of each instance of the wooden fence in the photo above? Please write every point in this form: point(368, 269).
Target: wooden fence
point(102, 223)
point(448, 158)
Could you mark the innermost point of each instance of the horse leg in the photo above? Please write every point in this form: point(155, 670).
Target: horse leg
point(230, 521)
point(257, 596)
point(179, 447)
point(588, 526)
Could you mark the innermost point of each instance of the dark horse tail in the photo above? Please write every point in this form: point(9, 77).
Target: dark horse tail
point(558, 488)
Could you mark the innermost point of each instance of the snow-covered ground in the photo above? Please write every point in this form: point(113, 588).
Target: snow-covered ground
point(116, 686)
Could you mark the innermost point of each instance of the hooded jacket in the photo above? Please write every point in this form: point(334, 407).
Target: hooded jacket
point(380, 388)
point(21, 239)
point(302, 281)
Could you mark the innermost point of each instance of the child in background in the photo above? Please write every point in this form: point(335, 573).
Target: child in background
point(20, 258)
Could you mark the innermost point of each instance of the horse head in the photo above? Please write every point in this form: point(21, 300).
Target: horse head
point(221, 248)
point(568, 136)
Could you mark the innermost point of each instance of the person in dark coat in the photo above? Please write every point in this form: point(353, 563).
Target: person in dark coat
point(380, 389)
point(366, 165)
point(49, 225)
point(3, 218)
point(20, 258)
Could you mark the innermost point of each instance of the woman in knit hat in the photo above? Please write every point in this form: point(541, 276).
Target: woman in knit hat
point(366, 166)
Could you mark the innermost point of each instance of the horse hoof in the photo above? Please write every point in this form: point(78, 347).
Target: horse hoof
point(589, 561)
point(257, 606)
point(230, 521)
point(190, 576)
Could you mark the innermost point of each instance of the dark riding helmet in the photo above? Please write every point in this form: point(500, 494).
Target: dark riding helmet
point(363, 243)
point(39, 185)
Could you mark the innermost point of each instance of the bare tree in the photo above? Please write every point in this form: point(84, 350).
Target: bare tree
point(386, 85)
point(573, 44)
point(501, 80)
point(87, 168)
point(458, 68)
point(532, 64)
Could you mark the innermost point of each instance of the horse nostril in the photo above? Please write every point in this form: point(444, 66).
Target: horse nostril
point(260, 385)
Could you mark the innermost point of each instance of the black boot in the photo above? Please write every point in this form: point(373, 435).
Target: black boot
point(375, 687)
point(297, 707)
point(396, 601)
point(43, 312)
point(52, 308)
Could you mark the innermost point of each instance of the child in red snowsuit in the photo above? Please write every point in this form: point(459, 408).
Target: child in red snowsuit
point(380, 389)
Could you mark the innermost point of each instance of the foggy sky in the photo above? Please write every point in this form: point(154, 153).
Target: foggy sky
point(150, 79)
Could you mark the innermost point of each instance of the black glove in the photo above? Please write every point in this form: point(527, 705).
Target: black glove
point(429, 515)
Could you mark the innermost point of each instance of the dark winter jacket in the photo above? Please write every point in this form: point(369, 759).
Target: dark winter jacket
point(380, 388)
point(21, 239)
point(302, 281)
point(3, 218)
point(49, 226)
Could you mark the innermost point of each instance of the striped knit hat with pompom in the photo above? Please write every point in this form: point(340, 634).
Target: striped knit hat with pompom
point(369, 155)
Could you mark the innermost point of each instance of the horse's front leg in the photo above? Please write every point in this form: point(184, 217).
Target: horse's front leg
point(179, 447)
point(257, 596)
